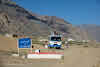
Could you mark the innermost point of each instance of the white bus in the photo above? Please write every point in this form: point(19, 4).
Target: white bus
point(55, 41)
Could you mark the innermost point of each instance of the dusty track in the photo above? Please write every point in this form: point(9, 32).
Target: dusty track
point(81, 57)
point(73, 56)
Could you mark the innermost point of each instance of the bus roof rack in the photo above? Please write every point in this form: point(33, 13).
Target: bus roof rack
point(56, 35)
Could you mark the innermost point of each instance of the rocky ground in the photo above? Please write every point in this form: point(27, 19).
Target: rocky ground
point(82, 57)
point(74, 56)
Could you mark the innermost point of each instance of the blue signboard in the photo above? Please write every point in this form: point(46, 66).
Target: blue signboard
point(24, 43)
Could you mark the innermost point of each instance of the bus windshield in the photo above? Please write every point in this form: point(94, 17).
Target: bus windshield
point(55, 38)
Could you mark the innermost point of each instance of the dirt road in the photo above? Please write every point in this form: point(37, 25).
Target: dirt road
point(73, 57)
point(49, 63)
point(82, 57)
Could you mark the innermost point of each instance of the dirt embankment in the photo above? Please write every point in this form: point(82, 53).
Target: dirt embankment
point(8, 43)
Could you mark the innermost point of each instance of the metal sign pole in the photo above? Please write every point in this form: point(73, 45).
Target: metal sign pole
point(18, 46)
point(31, 45)
point(18, 51)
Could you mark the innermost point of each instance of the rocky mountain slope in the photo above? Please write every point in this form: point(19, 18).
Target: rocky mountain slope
point(90, 32)
point(16, 20)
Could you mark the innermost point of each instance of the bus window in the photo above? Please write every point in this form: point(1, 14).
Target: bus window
point(55, 38)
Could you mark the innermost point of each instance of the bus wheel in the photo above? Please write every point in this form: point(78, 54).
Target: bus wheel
point(58, 47)
point(49, 47)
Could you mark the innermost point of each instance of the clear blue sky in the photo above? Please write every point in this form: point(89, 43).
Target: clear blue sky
point(74, 11)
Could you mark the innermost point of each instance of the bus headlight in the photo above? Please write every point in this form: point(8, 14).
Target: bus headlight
point(59, 43)
point(51, 43)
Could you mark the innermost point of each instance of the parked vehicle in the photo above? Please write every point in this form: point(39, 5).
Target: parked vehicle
point(55, 41)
